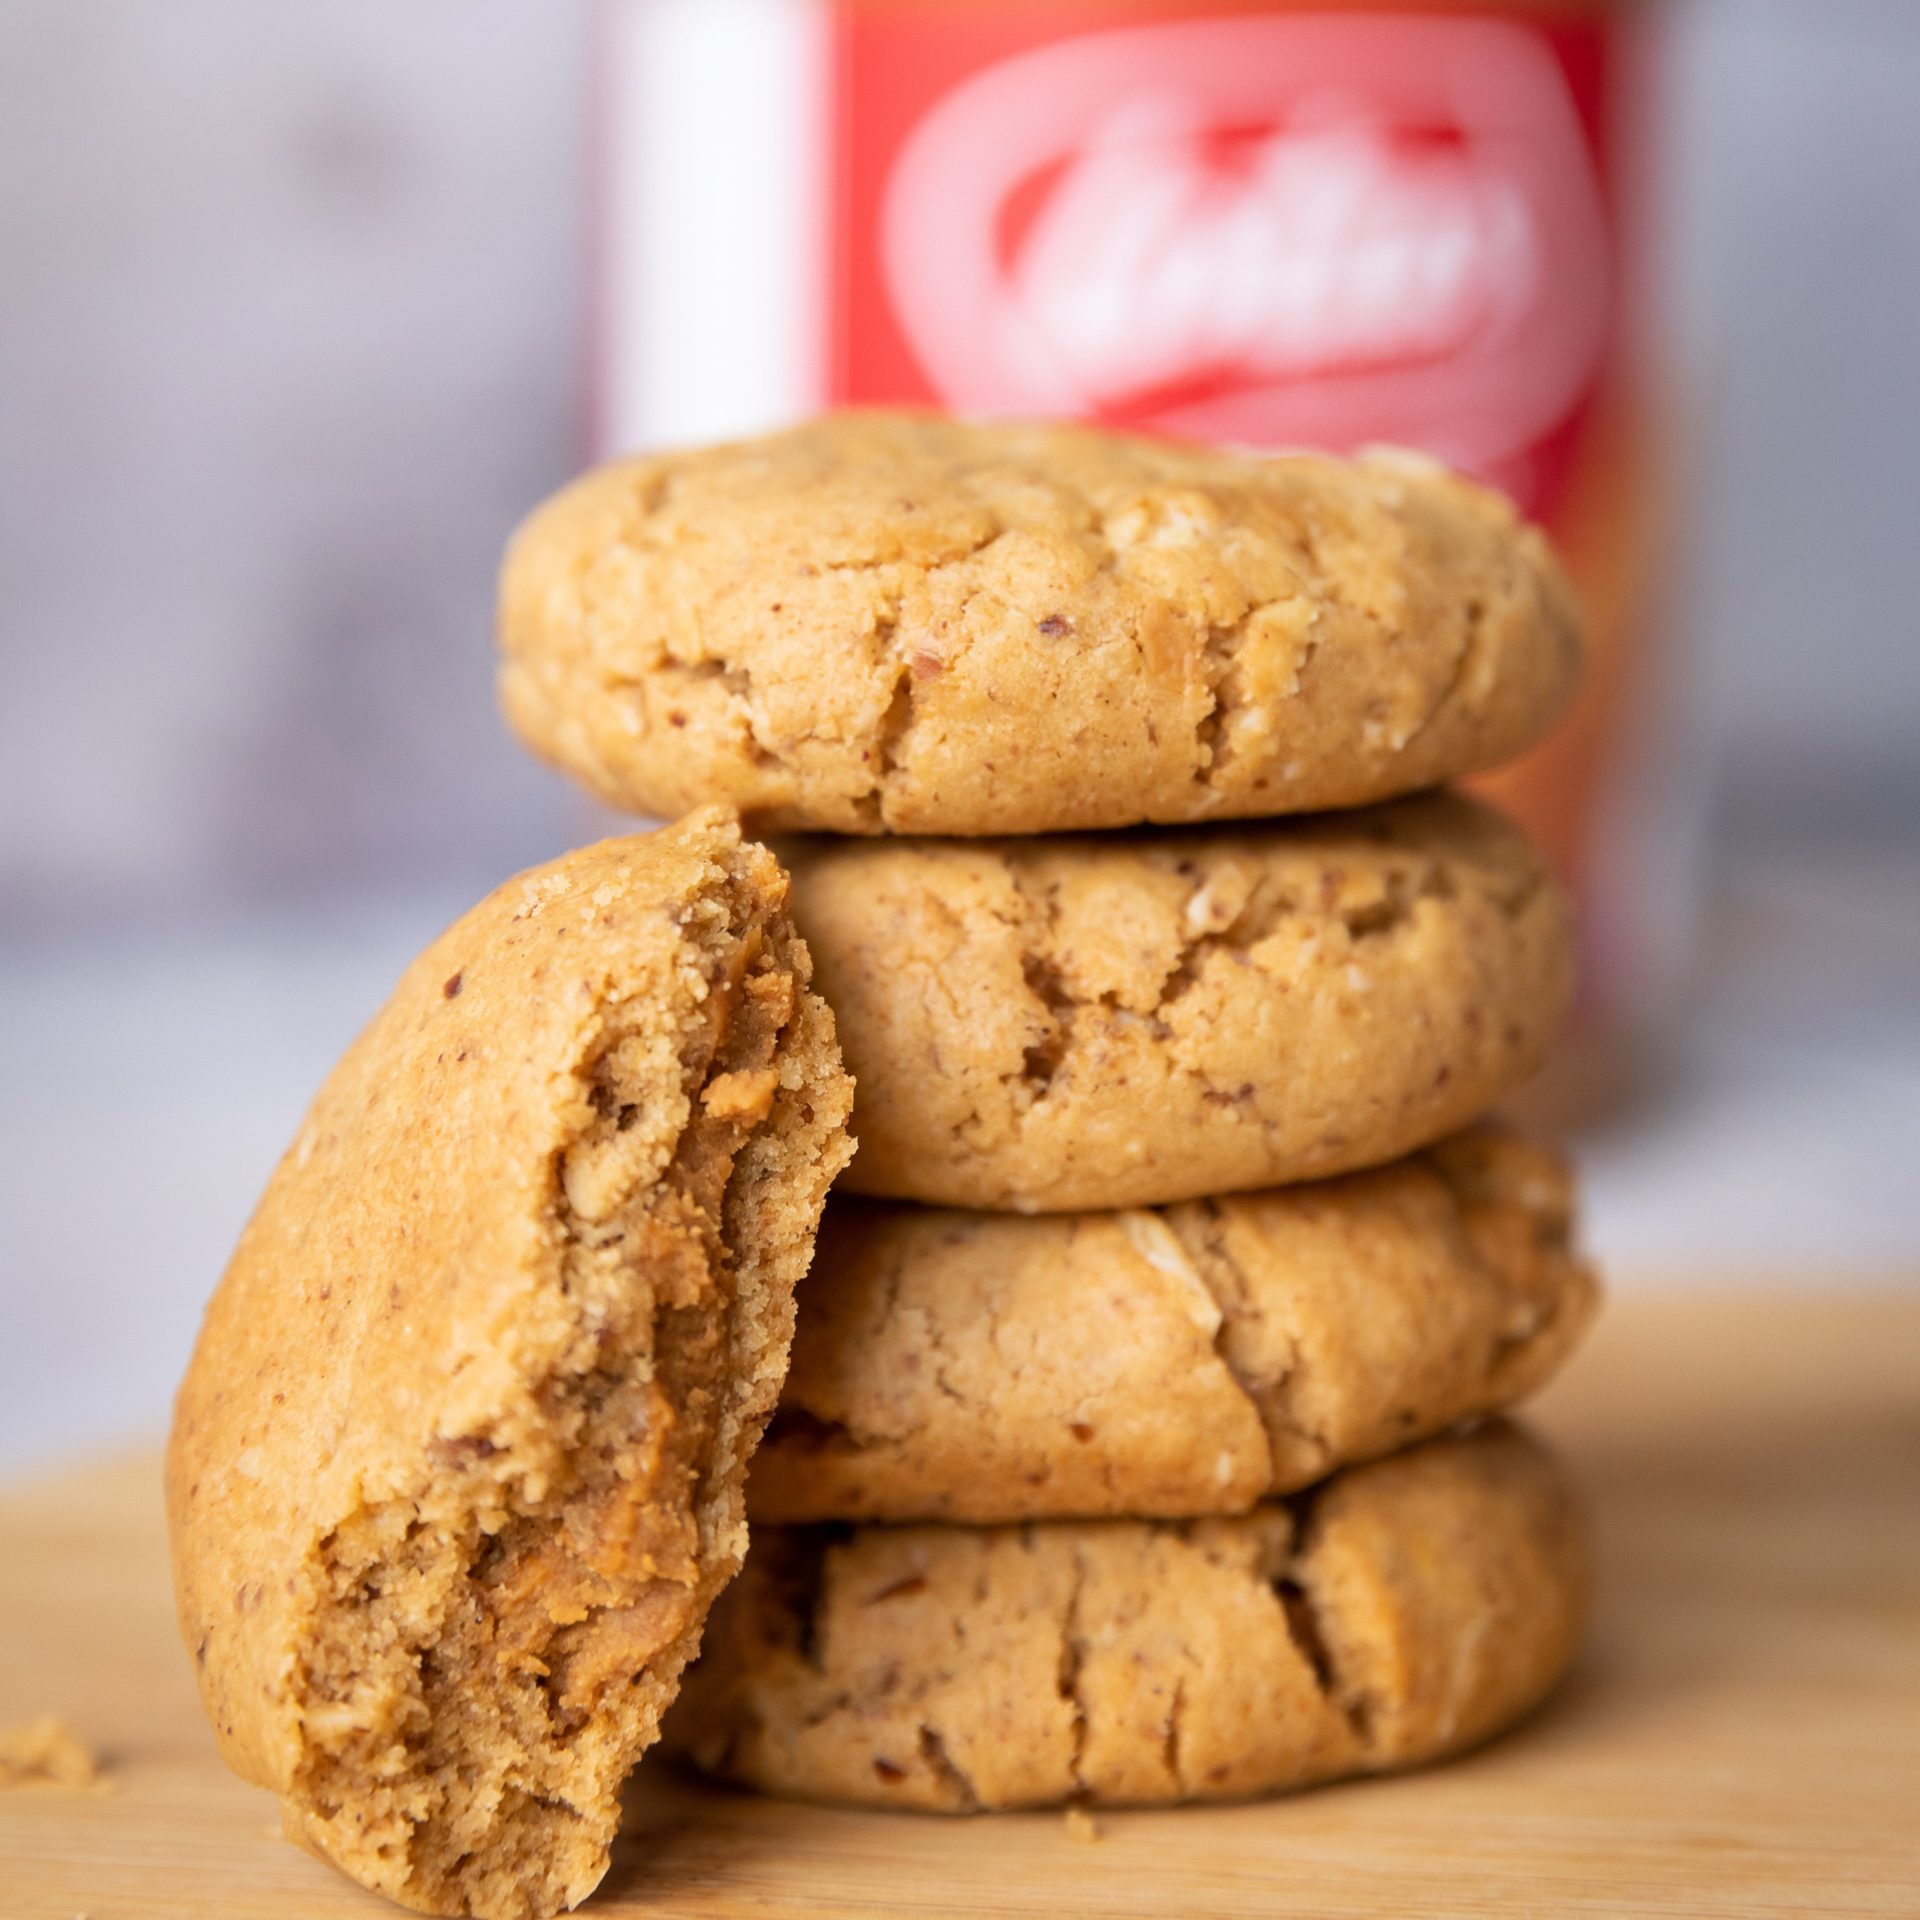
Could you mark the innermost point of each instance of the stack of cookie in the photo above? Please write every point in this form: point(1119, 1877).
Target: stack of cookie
point(1138, 1444)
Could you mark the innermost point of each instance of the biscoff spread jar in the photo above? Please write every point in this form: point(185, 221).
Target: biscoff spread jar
point(1261, 224)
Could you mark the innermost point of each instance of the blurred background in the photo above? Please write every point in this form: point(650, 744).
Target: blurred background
point(301, 307)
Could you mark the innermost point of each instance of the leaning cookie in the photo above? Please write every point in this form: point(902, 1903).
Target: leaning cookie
point(882, 623)
point(1183, 1361)
point(1120, 1020)
point(1401, 1610)
point(456, 1469)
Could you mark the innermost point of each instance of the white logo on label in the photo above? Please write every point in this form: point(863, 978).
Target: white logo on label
point(1315, 229)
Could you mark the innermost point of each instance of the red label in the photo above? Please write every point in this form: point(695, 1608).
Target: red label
point(1281, 228)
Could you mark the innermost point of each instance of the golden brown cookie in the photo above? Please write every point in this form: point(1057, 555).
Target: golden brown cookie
point(456, 1469)
point(1184, 1361)
point(1399, 1611)
point(905, 624)
point(1119, 1020)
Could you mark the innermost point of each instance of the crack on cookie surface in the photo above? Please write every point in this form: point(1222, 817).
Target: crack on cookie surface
point(1073, 1656)
point(1210, 736)
point(1387, 910)
point(1303, 1629)
point(1217, 752)
point(795, 1569)
point(1170, 1737)
point(1302, 1605)
point(940, 1763)
point(1459, 673)
point(890, 736)
point(1200, 1226)
point(1040, 1061)
point(803, 1430)
point(882, 745)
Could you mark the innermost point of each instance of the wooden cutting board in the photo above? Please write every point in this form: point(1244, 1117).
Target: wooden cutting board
point(1742, 1736)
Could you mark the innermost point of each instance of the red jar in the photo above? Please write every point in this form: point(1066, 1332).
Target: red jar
point(1275, 225)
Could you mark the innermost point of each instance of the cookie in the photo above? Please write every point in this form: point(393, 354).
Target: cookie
point(887, 623)
point(1165, 1364)
point(1121, 1020)
point(456, 1469)
point(1399, 1611)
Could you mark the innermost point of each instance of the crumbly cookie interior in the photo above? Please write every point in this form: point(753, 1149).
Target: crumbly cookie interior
point(491, 1648)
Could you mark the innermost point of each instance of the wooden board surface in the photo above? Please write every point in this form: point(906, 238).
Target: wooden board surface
point(1741, 1737)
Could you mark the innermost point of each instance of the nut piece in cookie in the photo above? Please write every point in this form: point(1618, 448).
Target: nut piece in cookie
point(456, 1469)
point(1167, 1362)
point(895, 623)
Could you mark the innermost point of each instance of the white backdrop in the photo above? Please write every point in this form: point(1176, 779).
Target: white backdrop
point(290, 332)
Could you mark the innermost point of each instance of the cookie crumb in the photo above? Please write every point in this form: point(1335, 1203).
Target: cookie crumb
point(46, 1752)
point(1082, 1828)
